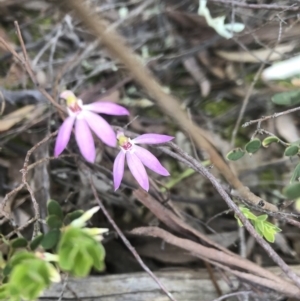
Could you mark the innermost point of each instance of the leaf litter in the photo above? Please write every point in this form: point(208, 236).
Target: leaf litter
point(190, 60)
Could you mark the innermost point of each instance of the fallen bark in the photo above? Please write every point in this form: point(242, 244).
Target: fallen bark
point(185, 285)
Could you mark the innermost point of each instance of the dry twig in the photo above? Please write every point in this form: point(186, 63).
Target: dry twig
point(292, 7)
point(24, 172)
point(194, 164)
point(264, 118)
point(222, 260)
point(181, 156)
point(25, 62)
point(128, 245)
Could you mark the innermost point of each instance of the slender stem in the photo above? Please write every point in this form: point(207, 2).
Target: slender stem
point(275, 115)
point(128, 245)
point(193, 163)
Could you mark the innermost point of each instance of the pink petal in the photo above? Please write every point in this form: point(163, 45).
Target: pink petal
point(85, 140)
point(109, 108)
point(63, 136)
point(118, 169)
point(150, 160)
point(152, 139)
point(101, 128)
point(138, 170)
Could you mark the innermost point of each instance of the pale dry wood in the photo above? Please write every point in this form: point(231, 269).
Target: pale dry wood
point(185, 285)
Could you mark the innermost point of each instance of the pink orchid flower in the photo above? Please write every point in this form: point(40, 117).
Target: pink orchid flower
point(86, 120)
point(137, 157)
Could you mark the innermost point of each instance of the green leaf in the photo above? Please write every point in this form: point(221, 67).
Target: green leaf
point(19, 242)
point(244, 209)
point(296, 174)
point(6, 271)
point(36, 242)
point(248, 214)
point(270, 231)
point(29, 278)
point(70, 236)
point(54, 208)
point(20, 257)
point(67, 257)
point(262, 217)
point(2, 262)
point(101, 266)
point(79, 258)
point(50, 239)
point(68, 247)
point(291, 151)
point(235, 154)
point(97, 253)
point(72, 216)
point(4, 292)
point(251, 216)
point(269, 236)
point(41, 268)
point(253, 146)
point(292, 191)
point(54, 222)
point(272, 226)
point(289, 98)
point(239, 221)
point(271, 139)
point(83, 264)
point(259, 227)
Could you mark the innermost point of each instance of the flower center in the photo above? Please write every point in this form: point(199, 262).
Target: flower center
point(124, 142)
point(126, 146)
point(75, 107)
point(73, 103)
